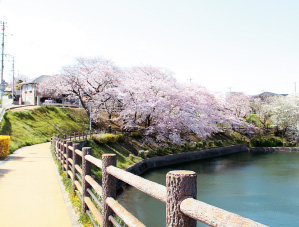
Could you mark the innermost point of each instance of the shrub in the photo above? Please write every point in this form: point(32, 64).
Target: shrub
point(108, 138)
point(219, 143)
point(211, 143)
point(4, 146)
point(166, 151)
point(131, 156)
point(292, 144)
point(153, 153)
point(200, 144)
point(143, 153)
point(192, 145)
point(266, 142)
point(136, 135)
point(120, 137)
point(238, 138)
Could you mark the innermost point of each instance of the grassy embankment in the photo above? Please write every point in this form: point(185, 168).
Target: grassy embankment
point(38, 125)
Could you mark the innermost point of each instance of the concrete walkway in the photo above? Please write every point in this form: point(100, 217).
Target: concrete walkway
point(30, 192)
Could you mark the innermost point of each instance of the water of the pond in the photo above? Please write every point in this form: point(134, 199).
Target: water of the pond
point(261, 187)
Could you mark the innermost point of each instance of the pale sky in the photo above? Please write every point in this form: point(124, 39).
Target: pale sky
point(249, 45)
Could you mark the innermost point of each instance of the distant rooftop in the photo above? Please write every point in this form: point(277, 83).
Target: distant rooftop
point(268, 94)
point(36, 80)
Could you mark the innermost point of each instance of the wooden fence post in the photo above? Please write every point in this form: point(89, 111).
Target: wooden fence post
point(63, 153)
point(70, 136)
point(76, 160)
point(56, 148)
point(179, 186)
point(53, 143)
point(60, 151)
point(109, 187)
point(68, 155)
point(86, 170)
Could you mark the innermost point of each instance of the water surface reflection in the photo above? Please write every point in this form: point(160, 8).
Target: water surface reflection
point(262, 187)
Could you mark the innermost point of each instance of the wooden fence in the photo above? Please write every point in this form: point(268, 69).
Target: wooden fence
point(87, 133)
point(78, 135)
point(99, 201)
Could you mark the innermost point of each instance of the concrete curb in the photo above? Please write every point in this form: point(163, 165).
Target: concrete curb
point(74, 217)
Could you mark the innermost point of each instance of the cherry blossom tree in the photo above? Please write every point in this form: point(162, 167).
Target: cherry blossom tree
point(262, 109)
point(155, 103)
point(239, 104)
point(285, 114)
point(147, 99)
point(93, 81)
point(53, 86)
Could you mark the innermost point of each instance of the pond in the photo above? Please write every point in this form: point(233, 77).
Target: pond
point(261, 187)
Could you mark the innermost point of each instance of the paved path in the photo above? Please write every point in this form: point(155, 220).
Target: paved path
point(30, 194)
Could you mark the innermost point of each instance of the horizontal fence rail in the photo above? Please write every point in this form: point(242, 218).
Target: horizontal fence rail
point(99, 200)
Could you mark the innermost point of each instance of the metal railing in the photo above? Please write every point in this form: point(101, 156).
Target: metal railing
point(62, 105)
point(99, 201)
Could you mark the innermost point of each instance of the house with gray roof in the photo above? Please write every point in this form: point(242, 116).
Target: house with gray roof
point(29, 91)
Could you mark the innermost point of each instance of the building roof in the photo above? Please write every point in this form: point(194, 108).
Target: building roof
point(268, 94)
point(36, 80)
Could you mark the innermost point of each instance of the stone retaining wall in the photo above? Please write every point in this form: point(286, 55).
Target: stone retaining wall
point(273, 149)
point(168, 160)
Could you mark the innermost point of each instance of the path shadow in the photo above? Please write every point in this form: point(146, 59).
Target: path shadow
point(16, 158)
point(4, 171)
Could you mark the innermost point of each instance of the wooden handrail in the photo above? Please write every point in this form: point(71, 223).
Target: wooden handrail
point(94, 185)
point(153, 189)
point(179, 193)
point(95, 161)
point(214, 216)
point(121, 212)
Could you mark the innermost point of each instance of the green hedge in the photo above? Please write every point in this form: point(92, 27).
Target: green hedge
point(108, 138)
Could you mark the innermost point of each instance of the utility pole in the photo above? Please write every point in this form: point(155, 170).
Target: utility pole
point(13, 78)
point(190, 79)
point(295, 88)
point(2, 63)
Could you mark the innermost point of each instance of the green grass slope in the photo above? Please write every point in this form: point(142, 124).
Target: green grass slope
point(38, 125)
